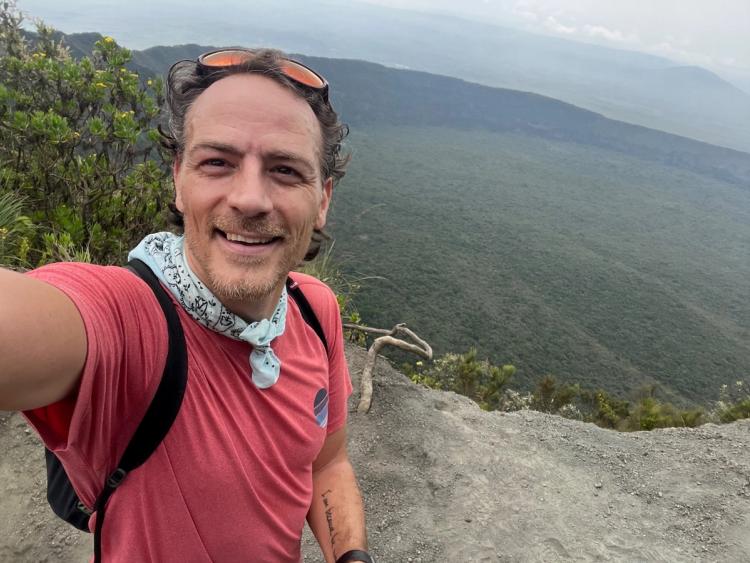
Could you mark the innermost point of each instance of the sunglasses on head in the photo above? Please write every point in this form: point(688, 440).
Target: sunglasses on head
point(293, 70)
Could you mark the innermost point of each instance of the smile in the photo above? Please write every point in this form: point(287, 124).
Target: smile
point(256, 240)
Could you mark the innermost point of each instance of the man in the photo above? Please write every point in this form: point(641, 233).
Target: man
point(260, 439)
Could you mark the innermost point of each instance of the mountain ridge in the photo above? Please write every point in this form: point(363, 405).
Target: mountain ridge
point(706, 74)
point(354, 80)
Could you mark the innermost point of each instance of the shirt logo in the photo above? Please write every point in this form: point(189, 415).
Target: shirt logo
point(320, 408)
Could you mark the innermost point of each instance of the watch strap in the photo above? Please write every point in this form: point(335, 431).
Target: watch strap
point(355, 555)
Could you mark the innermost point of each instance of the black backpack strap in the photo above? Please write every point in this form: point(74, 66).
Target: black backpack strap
point(164, 406)
point(306, 310)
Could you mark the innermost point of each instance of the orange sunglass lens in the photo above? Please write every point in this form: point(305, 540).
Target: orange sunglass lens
point(225, 58)
point(292, 69)
point(302, 74)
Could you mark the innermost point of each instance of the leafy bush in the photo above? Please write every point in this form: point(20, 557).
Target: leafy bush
point(649, 413)
point(734, 402)
point(77, 145)
point(464, 374)
point(15, 230)
point(551, 398)
point(487, 385)
point(602, 409)
point(736, 411)
point(327, 269)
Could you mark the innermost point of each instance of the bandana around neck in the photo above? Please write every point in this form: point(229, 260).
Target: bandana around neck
point(164, 254)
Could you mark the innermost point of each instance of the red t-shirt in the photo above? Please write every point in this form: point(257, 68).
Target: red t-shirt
point(232, 480)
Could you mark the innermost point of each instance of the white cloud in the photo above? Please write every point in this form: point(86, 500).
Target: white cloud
point(603, 33)
point(555, 26)
point(615, 35)
point(527, 15)
point(688, 31)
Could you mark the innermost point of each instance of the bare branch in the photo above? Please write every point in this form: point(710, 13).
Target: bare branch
point(421, 348)
point(367, 329)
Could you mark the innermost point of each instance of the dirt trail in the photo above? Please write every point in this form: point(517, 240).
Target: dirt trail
point(444, 481)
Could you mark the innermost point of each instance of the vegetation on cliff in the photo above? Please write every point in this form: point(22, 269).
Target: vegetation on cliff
point(489, 386)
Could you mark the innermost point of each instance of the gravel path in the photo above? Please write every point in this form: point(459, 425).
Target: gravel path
point(444, 481)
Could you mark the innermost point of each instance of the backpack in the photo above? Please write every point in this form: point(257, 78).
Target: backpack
point(157, 421)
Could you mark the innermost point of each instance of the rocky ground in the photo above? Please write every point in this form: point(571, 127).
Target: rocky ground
point(444, 481)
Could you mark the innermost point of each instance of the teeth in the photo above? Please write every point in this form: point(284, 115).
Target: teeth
point(248, 240)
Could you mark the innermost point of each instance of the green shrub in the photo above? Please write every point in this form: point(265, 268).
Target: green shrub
point(550, 397)
point(734, 402)
point(15, 230)
point(465, 374)
point(328, 270)
point(649, 413)
point(77, 145)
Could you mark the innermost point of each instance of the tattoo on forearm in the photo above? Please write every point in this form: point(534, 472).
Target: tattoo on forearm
point(329, 519)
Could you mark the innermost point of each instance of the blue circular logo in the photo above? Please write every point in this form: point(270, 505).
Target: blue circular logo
point(320, 408)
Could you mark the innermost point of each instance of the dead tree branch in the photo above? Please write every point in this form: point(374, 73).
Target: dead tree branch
point(419, 347)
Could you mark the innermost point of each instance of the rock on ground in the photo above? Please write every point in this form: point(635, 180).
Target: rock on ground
point(445, 481)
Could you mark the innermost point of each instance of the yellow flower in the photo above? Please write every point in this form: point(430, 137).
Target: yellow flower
point(420, 363)
point(100, 85)
point(149, 82)
point(108, 39)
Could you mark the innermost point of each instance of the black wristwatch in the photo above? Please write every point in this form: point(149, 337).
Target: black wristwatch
point(355, 555)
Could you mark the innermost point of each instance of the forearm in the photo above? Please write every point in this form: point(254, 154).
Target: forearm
point(336, 515)
point(42, 342)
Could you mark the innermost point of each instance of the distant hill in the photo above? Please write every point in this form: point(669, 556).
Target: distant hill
point(692, 88)
point(367, 93)
point(693, 75)
point(620, 84)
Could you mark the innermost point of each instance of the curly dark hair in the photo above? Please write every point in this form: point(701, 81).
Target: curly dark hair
point(185, 83)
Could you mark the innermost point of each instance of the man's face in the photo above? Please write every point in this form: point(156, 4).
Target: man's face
point(250, 188)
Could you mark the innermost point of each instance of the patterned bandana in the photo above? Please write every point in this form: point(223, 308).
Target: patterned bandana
point(163, 253)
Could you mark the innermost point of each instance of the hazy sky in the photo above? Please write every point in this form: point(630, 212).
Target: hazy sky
point(711, 33)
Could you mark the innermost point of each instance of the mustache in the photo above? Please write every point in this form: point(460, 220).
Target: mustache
point(256, 225)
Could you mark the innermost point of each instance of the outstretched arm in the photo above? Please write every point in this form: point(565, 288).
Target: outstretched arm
point(336, 515)
point(42, 343)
